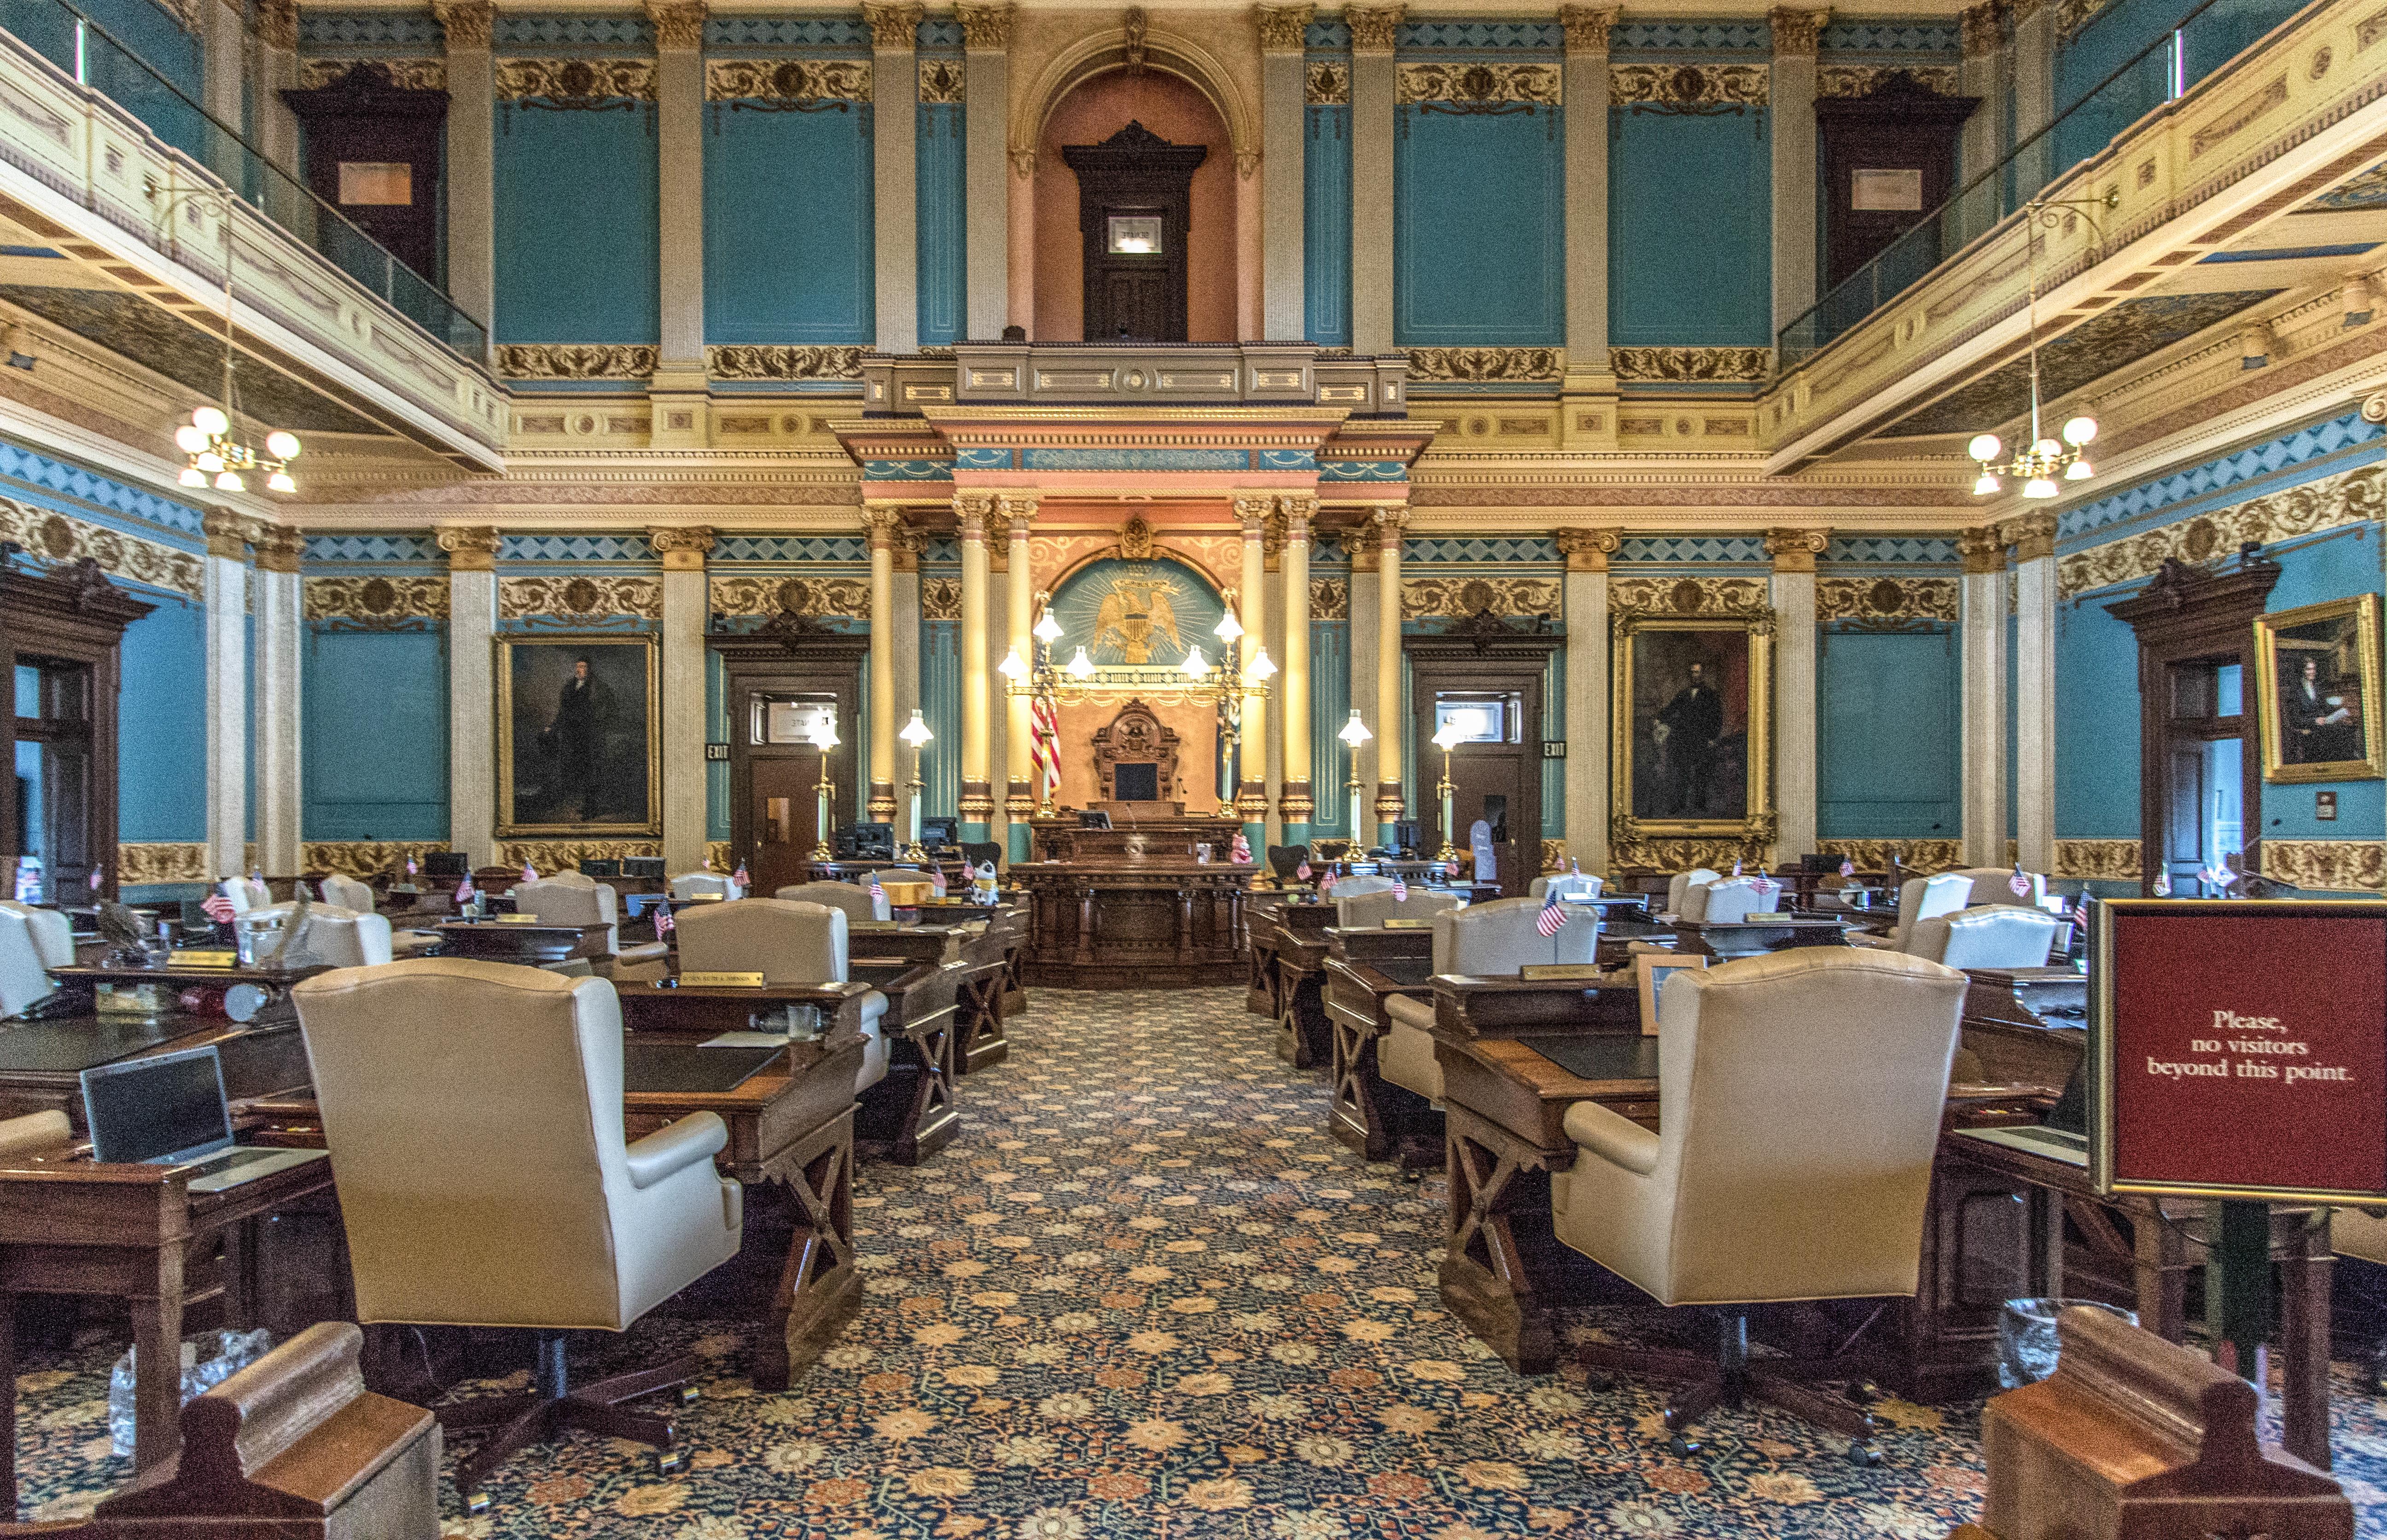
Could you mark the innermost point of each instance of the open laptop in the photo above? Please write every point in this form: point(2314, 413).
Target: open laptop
point(170, 1110)
point(2061, 1135)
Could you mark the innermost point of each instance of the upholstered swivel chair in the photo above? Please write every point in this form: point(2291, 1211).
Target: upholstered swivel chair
point(1729, 899)
point(1372, 910)
point(1682, 883)
point(1986, 936)
point(788, 942)
point(1360, 887)
point(33, 1132)
point(688, 885)
point(343, 938)
point(473, 1115)
point(245, 892)
point(33, 941)
point(1800, 1098)
point(1995, 885)
point(573, 897)
point(1566, 884)
point(1495, 940)
point(1285, 859)
point(346, 892)
point(857, 901)
point(1919, 899)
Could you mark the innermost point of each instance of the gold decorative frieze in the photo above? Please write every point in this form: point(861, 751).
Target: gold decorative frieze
point(1982, 29)
point(1681, 853)
point(374, 603)
point(566, 856)
point(1479, 365)
point(2104, 860)
point(2073, 15)
point(1797, 32)
point(797, 82)
point(985, 28)
point(60, 537)
point(575, 81)
point(1477, 88)
point(811, 598)
point(364, 859)
point(577, 361)
point(1885, 600)
point(1687, 596)
point(941, 599)
point(1326, 84)
point(1699, 88)
point(940, 83)
point(1459, 598)
point(1554, 855)
point(2335, 865)
point(1330, 599)
point(1283, 28)
point(1704, 365)
point(277, 24)
point(580, 598)
point(2354, 497)
point(1873, 856)
point(1863, 80)
point(404, 74)
point(141, 865)
point(747, 361)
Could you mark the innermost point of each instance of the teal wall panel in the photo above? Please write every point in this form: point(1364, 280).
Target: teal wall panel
point(1887, 730)
point(145, 33)
point(1690, 229)
point(577, 237)
point(1478, 232)
point(2096, 724)
point(1330, 707)
point(374, 709)
point(161, 721)
point(943, 250)
point(940, 704)
point(1326, 226)
point(788, 241)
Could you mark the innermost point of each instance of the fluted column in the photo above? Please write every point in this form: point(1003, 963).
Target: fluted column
point(1282, 104)
point(1297, 801)
point(277, 70)
point(1018, 514)
point(1791, 111)
point(471, 156)
point(2033, 536)
point(1251, 749)
point(1794, 552)
point(676, 392)
point(1371, 176)
point(985, 185)
point(1980, 75)
point(1359, 545)
point(1587, 552)
point(895, 130)
point(281, 641)
point(1391, 700)
point(472, 688)
point(687, 608)
point(971, 511)
point(903, 625)
point(224, 596)
point(886, 524)
point(1584, 91)
point(1982, 646)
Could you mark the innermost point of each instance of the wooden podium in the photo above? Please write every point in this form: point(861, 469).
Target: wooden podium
point(1137, 829)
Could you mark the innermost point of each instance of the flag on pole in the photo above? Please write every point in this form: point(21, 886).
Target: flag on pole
point(464, 890)
point(2020, 882)
point(1848, 868)
point(1301, 873)
point(740, 878)
point(530, 873)
point(1325, 885)
point(1044, 735)
point(1553, 918)
point(97, 878)
point(1574, 867)
point(877, 893)
point(218, 907)
point(2163, 885)
point(1764, 885)
point(410, 867)
point(664, 921)
point(1735, 869)
point(936, 879)
point(1400, 890)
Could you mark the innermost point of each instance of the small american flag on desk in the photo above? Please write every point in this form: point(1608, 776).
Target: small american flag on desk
point(410, 867)
point(1400, 890)
point(936, 878)
point(217, 908)
point(876, 891)
point(464, 890)
point(1301, 873)
point(664, 921)
point(740, 878)
point(530, 873)
point(1553, 918)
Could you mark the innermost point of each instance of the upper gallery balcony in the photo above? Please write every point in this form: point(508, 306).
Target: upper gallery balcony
point(2148, 211)
point(132, 217)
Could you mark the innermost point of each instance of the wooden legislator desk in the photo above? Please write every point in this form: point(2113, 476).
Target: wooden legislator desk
point(1058, 837)
point(940, 980)
point(1131, 912)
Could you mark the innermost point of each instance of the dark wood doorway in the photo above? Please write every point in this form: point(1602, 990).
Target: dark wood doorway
point(1492, 681)
point(1889, 159)
point(63, 635)
point(1134, 207)
point(374, 153)
point(773, 690)
point(2200, 748)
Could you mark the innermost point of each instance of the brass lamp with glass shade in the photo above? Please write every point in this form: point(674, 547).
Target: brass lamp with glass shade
point(915, 733)
point(1355, 732)
point(824, 737)
point(1447, 739)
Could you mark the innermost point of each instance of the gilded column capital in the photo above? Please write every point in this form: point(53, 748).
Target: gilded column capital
point(1373, 27)
point(1296, 509)
point(1983, 29)
point(1586, 27)
point(228, 533)
point(277, 24)
point(1795, 549)
point(971, 511)
point(1589, 550)
point(279, 546)
point(2031, 535)
point(1016, 510)
point(1797, 31)
point(1252, 513)
point(894, 28)
point(1982, 548)
point(1389, 524)
point(909, 541)
point(470, 547)
point(985, 29)
point(1283, 28)
point(682, 547)
point(886, 526)
point(679, 24)
point(467, 23)
point(1359, 548)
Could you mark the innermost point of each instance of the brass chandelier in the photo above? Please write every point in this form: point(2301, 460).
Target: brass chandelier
point(2042, 458)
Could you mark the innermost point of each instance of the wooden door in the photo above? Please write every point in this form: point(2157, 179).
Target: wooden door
point(1135, 211)
point(785, 818)
point(1889, 159)
point(61, 634)
point(773, 690)
point(1491, 681)
point(373, 152)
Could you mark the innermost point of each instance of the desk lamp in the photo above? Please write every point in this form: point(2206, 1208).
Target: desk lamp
point(824, 737)
point(1355, 732)
point(915, 733)
point(1448, 740)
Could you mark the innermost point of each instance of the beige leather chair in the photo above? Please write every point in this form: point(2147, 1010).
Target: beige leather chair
point(1682, 883)
point(1360, 887)
point(1729, 899)
point(1566, 883)
point(33, 941)
point(1493, 940)
point(1800, 1098)
point(245, 892)
point(688, 885)
point(1987, 936)
point(789, 943)
point(851, 897)
point(1919, 899)
point(348, 892)
point(1995, 885)
point(342, 937)
point(1372, 910)
point(33, 1133)
point(573, 897)
point(473, 1115)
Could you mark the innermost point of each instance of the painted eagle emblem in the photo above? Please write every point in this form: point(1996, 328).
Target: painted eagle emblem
point(1131, 612)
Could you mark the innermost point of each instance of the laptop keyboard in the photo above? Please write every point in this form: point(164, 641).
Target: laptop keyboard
point(230, 1160)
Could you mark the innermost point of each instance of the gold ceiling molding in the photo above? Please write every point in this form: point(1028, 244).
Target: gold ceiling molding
point(374, 603)
point(1863, 80)
point(1373, 27)
point(1586, 27)
point(1459, 598)
point(277, 24)
point(2355, 496)
point(1327, 84)
point(1886, 599)
point(1688, 87)
point(151, 861)
point(941, 599)
point(751, 360)
point(1702, 365)
point(2103, 860)
point(1472, 365)
point(1330, 599)
point(678, 26)
point(364, 859)
point(403, 74)
point(811, 598)
point(894, 27)
point(579, 599)
point(1476, 87)
point(60, 537)
point(575, 80)
point(577, 361)
point(2337, 865)
point(790, 79)
point(940, 83)
point(1687, 596)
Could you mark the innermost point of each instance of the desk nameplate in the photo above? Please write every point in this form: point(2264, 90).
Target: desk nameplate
point(722, 980)
point(204, 959)
point(1534, 973)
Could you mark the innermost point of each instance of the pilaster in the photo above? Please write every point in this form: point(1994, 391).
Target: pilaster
point(1590, 388)
point(223, 78)
point(676, 394)
point(1792, 115)
point(1982, 646)
point(1296, 802)
point(1981, 73)
point(1372, 175)
point(471, 163)
point(895, 130)
point(1018, 512)
point(1793, 597)
point(2033, 77)
point(472, 688)
point(1359, 545)
point(1391, 700)
point(1251, 746)
point(2033, 537)
point(971, 511)
point(224, 596)
point(687, 608)
point(1587, 553)
point(277, 70)
point(904, 645)
point(986, 188)
point(1282, 208)
point(281, 645)
point(886, 528)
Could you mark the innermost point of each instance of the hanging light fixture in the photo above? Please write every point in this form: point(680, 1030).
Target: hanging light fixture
point(2042, 458)
point(215, 457)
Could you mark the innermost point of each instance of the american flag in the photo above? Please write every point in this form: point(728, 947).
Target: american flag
point(1735, 869)
point(1044, 732)
point(1763, 885)
point(2163, 885)
point(1553, 918)
point(97, 878)
point(1400, 890)
point(217, 908)
point(936, 881)
point(1848, 868)
point(1574, 867)
point(1301, 873)
point(410, 867)
point(876, 891)
point(740, 878)
point(664, 921)
point(2020, 882)
point(530, 873)
point(1325, 885)
point(464, 890)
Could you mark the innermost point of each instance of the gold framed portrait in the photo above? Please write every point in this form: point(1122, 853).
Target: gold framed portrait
point(2317, 687)
point(1692, 725)
point(579, 751)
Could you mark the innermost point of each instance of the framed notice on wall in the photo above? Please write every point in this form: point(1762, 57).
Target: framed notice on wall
point(2238, 1048)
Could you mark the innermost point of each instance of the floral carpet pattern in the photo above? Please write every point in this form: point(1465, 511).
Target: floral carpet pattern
point(1144, 1295)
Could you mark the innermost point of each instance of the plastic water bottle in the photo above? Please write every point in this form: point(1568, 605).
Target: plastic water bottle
point(234, 1352)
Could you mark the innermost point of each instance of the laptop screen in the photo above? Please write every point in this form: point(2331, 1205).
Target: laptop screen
point(169, 1107)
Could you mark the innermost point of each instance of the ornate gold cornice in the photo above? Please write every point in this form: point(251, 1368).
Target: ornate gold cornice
point(1326, 83)
point(1589, 550)
point(894, 28)
point(1477, 86)
point(404, 74)
point(1586, 27)
point(470, 547)
point(467, 23)
point(1372, 28)
point(743, 361)
point(1981, 549)
point(372, 603)
point(1703, 365)
point(1688, 87)
point(1983, 29)
point(579, 599)
point(227, 533)
point(1797, 31)
point(682, 547)
point(679, 24)
point(985, 29)
point(1794, 551)
point(577, 361)
point(1886, 601)
point(1472, 365)
point(1437, 598)
point(2032, 535)
point(279, 546)
point(277, 24)
point(807, 598)
point(61, 538)
point(1863, 80)
point(2354, 497)
point(1283, 28)
point(797, 81)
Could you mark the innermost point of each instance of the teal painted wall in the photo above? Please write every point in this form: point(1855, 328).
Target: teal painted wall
point(789, 244)
point(1886, 734)
point(2096, 724)
point(374, 709)
point(161, 777)
point(143, 34)
point(940, 704)
point(1554, 730)
point(944, 249)
point(1690, 229)
point(1326, 225)
point(577, 226)
point(1479, 233)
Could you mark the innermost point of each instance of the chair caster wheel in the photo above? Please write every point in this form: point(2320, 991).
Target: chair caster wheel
point(1865, 1393)
point(687, 1395)
point(477, 1503)
point(667, 1461)
point(1864, 1457)
point(1599, 1383)
point(1681, 1446)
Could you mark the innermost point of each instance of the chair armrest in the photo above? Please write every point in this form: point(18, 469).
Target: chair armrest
point(643, 952)
point(1613, 1137)
point(675, 1147)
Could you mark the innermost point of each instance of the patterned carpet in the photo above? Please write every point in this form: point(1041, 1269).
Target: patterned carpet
point(1144, 1295)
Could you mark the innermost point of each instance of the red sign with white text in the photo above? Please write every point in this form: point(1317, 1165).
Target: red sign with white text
point(2242, 1047)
